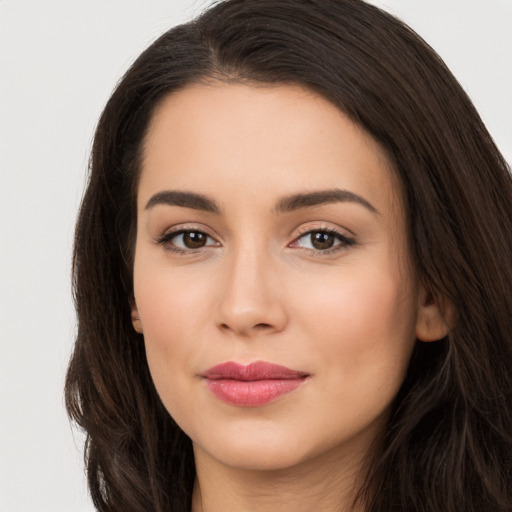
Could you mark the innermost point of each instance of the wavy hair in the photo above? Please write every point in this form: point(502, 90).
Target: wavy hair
point(448, 443)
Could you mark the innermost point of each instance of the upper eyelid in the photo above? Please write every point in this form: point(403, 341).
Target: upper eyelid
point(180, 228)
point(304, 230)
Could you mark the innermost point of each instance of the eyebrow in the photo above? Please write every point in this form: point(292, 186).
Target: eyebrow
point(287, 204)
point(322, 197)
point(183, 199)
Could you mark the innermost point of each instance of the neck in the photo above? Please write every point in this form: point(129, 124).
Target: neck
point(327, 485)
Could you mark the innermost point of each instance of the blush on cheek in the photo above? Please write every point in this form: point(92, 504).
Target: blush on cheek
point(367, 321)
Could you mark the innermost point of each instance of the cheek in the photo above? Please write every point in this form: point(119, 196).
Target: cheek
point(170, 300)
point(172, 310)
point(363, 328)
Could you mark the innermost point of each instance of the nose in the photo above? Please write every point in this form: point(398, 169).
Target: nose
point(251, 299)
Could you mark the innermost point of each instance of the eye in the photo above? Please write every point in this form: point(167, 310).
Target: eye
point(184, 240)
point(322, 240)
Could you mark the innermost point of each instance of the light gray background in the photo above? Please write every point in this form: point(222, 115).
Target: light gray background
point(59, 61)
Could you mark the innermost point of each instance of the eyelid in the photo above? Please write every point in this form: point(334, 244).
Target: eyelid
point(346, 240)
point(323, 226)
point(166, 237)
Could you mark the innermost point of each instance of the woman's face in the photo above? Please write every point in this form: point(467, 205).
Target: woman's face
point(271, 231)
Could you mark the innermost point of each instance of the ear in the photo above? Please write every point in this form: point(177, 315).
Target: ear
point(431, 324)
point(137, 325)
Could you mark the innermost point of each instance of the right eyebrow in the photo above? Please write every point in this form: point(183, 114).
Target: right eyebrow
point(183, 199)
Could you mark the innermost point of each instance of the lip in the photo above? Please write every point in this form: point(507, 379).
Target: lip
point(252, 385)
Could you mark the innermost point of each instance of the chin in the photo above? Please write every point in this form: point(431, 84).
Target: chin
point(255, 452)
point(271, 446)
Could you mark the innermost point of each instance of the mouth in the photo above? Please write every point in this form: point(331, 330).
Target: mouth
point(252, 385)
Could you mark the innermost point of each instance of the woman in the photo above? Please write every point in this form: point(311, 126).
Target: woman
point(292, 274)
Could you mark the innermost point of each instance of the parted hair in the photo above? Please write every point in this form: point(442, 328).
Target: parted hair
point(448, 443)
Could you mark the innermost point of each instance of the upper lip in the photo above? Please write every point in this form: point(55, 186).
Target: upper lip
point(259, 370)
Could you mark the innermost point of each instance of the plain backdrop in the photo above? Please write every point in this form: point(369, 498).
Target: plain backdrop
point(59, 60)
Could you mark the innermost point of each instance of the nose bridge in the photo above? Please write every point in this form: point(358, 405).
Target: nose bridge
point(249, 301)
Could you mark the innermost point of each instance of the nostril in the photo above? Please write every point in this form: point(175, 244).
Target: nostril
point(262, 326)
point(256, 327)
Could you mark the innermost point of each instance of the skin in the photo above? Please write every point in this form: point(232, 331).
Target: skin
point(259, 290)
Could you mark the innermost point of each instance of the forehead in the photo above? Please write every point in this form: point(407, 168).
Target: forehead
point(251, 142)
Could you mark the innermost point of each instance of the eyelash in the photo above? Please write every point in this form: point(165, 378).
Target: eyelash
point(344, 241)
point(166, 240)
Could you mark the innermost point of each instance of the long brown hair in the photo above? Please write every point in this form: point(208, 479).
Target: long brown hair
point(448, 444)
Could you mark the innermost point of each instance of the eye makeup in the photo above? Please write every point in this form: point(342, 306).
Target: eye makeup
point(316, 240)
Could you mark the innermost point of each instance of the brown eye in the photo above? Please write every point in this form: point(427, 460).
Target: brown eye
point(322, 240)
point(194, 239)
point(187, 240)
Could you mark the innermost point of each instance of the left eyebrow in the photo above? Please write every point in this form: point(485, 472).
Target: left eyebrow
point(322, 197)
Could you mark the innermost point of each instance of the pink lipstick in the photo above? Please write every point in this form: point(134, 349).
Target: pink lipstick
point(252, 385)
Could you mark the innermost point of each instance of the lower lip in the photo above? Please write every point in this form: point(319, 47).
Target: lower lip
point(252, 393)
